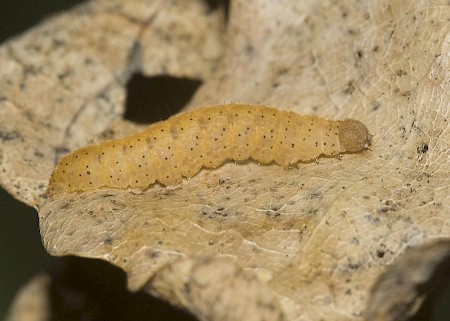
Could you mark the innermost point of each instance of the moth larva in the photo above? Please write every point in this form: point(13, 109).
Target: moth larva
point(183, 144)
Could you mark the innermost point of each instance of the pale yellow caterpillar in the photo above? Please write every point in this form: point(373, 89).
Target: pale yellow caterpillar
point(183, 144)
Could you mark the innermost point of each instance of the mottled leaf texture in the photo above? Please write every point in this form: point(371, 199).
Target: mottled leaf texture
point(304, 242)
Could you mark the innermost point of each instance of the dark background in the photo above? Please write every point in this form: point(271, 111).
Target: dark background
point(21, 251)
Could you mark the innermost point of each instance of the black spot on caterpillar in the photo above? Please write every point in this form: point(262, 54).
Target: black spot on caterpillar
point(183, 144)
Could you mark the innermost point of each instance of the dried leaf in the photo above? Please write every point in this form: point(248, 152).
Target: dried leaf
point(316, 236)
point(31, 303)
point(401, 290)
point(65, 78)
point(209, 286)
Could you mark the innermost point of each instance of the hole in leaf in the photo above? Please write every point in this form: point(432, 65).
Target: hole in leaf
point(223, 5)
point(152, 99)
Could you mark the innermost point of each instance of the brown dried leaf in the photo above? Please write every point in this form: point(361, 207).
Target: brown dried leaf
point(400, 291)
point(31, 303)
point(209, 287)
point(316, 237)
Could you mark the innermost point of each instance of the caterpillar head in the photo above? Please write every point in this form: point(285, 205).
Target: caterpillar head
point(354, 135)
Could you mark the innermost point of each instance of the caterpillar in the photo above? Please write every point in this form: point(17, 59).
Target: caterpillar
point(205, 138)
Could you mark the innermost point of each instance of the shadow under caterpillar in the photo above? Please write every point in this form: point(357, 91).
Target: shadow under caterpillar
point(180, 146)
